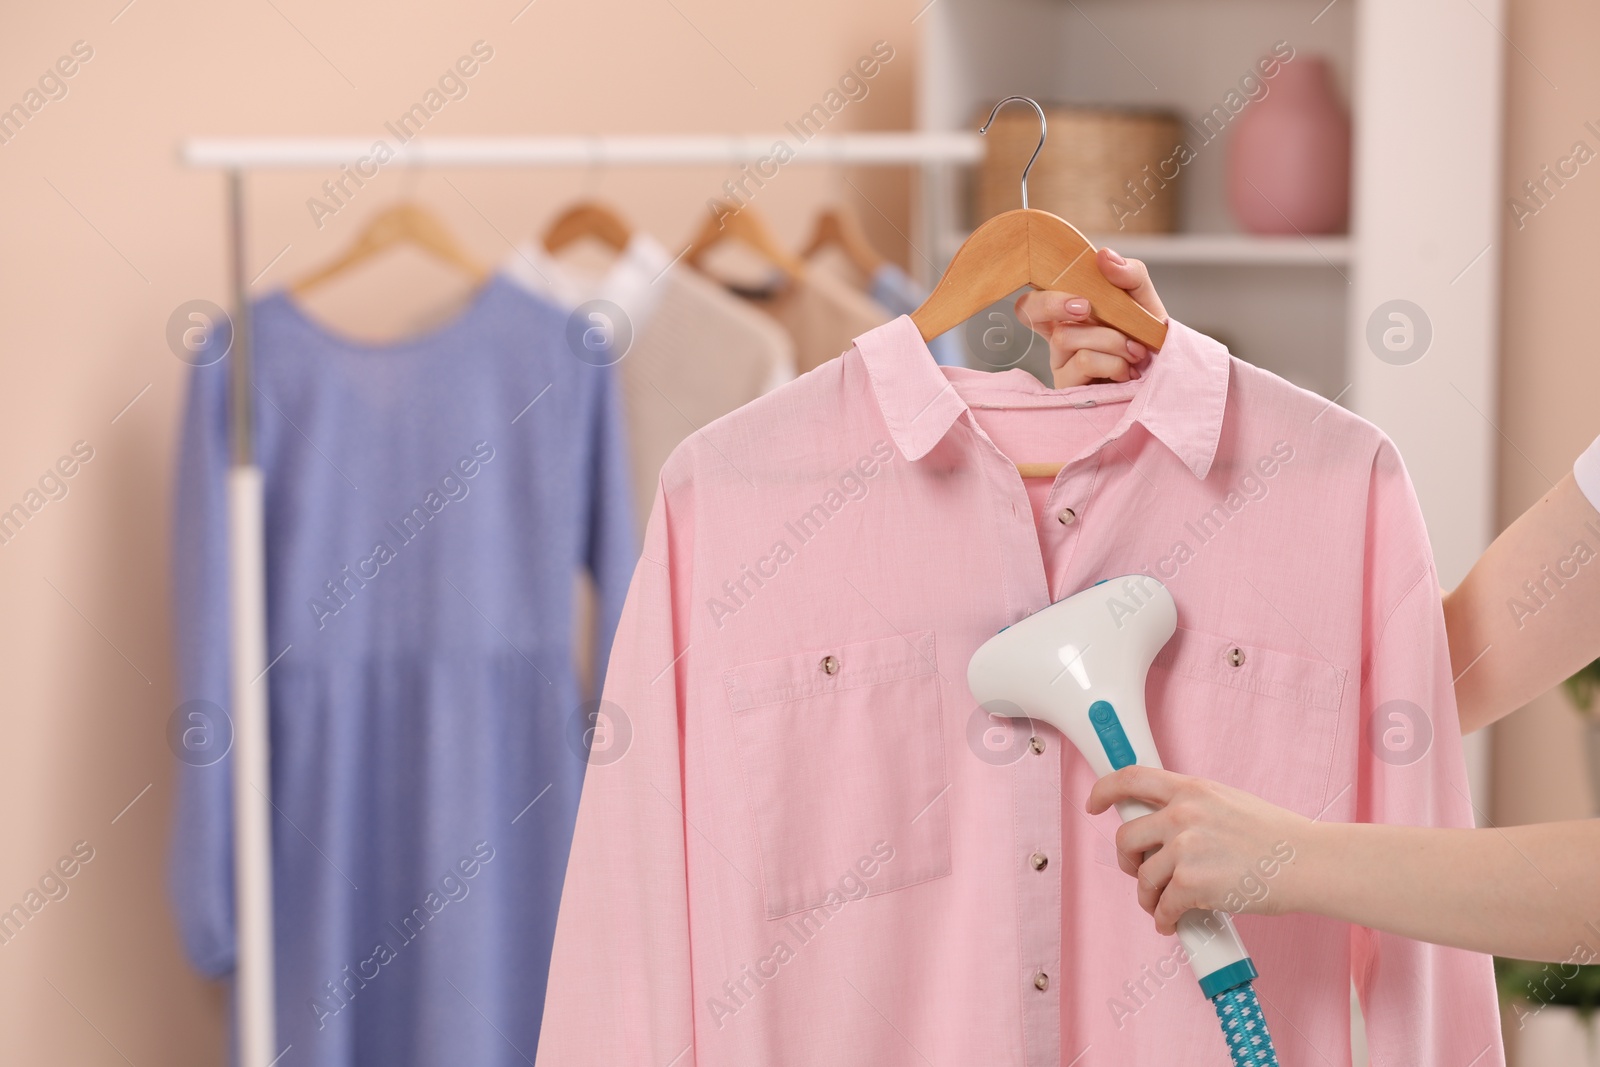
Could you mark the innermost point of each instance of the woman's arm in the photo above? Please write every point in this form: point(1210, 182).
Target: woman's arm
point(1526, 617)
point(1532, 892)
point(1511, 640)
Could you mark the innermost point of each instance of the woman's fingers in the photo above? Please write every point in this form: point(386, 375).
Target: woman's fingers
point(1081, 350)
point(1080, 368)
point(1128, 857)
point(1041, 309)
point(1129, 862)
point(1077, 341)
point(1130, 274)
point(1082, 354)
point(1067, 338)
point(1155, 876)
point(1149, 784)
point(1143, 835)
point(1065, 320)
point(1175, 900)
point(1207, 845)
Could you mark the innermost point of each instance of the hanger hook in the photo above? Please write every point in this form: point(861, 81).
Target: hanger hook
point(1043, 130)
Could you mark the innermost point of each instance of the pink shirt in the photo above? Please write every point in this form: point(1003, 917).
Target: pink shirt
point(801, 843)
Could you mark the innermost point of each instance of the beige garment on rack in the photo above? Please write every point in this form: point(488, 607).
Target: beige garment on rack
point(838, 264)
point(698, 351)
point(822, 311)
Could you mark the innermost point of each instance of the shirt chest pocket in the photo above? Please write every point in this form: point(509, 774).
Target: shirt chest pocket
point(842, 754)
point(1254, 718)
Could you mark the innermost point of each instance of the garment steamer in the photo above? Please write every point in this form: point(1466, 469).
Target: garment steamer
point(1080, 665)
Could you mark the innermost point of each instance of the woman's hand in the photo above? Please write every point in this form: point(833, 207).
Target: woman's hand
point(1208, 845)
point(1081, 352)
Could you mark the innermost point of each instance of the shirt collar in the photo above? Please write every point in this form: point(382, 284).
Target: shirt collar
point(1180, 399)
point(628, 281)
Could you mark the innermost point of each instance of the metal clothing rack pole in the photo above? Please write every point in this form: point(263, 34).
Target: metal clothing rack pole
point(254, 995)
point(867, 149)
point(254, 992)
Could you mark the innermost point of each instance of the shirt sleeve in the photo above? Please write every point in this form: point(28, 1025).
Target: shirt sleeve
point(619, 987)
point(200, 862)
point(1586, 471)
point(610, 545)
point(1422, 1003)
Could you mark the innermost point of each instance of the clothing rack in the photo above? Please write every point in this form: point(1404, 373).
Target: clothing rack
point(882, 149)
point(254, 991)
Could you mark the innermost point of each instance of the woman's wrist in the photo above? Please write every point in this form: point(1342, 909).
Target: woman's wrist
point(1304, 878)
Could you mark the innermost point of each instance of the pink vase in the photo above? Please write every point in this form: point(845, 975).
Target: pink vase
point(1289, 156)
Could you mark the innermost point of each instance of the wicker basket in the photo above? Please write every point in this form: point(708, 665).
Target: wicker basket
point(1084, 173)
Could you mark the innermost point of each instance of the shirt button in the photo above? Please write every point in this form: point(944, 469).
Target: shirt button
point(1067, 516)
point(830, 664)
point(1236, 656)
point(1041, 981)
point(1039, 861)
point(1037, 745)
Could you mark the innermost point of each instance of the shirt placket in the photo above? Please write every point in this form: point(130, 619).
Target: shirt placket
point(1034, 858)
point(1060, 529)
point(1062, 523)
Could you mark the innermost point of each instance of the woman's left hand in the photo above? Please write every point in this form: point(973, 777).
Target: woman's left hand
point(1081, 350)
point(1208, 846)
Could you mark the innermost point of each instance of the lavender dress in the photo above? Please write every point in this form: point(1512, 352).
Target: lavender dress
point(428, 504)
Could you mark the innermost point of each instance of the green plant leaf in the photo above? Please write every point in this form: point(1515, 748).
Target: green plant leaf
point(1567, 985)
point(1582, 687)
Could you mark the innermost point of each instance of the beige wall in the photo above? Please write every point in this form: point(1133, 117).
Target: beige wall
point(104, 235)
point(1550, 374)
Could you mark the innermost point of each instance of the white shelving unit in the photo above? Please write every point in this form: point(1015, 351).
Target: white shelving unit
point(1231, 249)
point(1208, 249)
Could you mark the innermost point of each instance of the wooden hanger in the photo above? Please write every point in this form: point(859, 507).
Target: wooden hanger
point(1029, 247)
point(405, 223)
point(751, 230)
point(839, 227)
point(587, 218)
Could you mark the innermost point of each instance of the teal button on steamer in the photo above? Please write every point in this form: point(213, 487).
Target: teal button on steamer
point(1112, 736)
point(1080, 665)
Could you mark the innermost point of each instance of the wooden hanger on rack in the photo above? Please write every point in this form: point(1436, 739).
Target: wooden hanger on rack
point(405, 223)
point(838, 227)
point(588, 218)
point(1029, 247)
point(749, 229)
